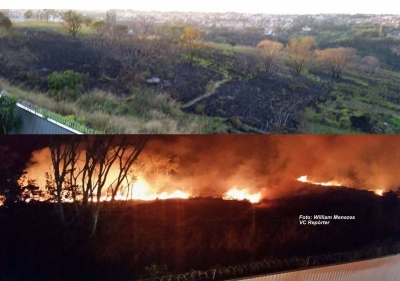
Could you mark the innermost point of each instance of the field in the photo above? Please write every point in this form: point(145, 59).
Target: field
point(139, 240)
point(225, 89)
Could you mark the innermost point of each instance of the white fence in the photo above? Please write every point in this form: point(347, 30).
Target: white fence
point(379, 269)
point(34, 122)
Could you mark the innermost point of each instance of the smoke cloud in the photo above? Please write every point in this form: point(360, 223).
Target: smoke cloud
point(210, 165)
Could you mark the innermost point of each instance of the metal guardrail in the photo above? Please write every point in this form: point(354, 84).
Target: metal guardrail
point(47, 114)
point(279, 265)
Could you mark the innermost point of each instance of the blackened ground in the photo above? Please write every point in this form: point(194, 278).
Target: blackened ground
point(32, 55)
point(259, 100)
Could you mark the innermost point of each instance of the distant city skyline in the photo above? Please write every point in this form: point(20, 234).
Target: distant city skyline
point(249, 6)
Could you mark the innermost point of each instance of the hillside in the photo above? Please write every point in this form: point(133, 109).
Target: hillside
point(220, 87)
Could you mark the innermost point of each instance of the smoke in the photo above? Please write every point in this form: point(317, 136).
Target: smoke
point(210, 165)
point(214, 164)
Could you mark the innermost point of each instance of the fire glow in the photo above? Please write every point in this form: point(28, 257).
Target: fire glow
point(142, 190)
point(334, 183)
point(329, 183)
point(242, 194)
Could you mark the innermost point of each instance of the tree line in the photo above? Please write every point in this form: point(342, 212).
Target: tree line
point(302, 52)
point(142, 45)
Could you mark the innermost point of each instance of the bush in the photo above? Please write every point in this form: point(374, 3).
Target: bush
point(5, 21)
point(67, 85)
point(8, 115)
point(99, 25)
point(72, 22)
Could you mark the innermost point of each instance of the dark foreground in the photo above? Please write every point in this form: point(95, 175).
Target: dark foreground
point(141, 240)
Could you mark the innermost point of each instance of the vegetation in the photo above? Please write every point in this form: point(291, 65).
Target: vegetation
point(336, 59)
point(177, 236)
point(301, 52)
point(8, 114)
point(67, 85)
point(242, 75)
point(146, 112)
point(72, 22)
point(5, 21)
point(192, 42)
point(28, 14)
point(270, 52)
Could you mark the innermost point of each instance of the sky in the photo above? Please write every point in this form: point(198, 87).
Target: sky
point(248, 6)
point(210, 165)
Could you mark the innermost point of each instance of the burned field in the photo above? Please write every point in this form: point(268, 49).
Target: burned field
point(31, 55)
point(217, 86)
point(230, 85)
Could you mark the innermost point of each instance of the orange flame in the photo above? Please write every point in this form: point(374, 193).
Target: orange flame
point(329, 183)
point(379, 192)
point(242, 194)
point(142, 191)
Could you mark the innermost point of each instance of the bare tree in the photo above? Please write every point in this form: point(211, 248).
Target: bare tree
point(160, 169)
point(192, 42)
point(64, 155)
point(81, 168)
point(281, 114)
point(72, 22)
point(370, 64)
point(144, 49)
point(270, 52)
point(336, 60)
point(301, 52)
point(111, 17)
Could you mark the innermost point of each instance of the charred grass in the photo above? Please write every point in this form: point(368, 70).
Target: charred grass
point(245, 99)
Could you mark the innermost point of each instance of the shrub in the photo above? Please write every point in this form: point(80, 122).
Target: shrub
point(99, 25)
point(200, 109)
point(72, 22)
point(66, 85)
point(5, 21)
point(8, 114)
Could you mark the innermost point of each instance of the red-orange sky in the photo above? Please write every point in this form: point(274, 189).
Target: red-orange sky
point(213, 164)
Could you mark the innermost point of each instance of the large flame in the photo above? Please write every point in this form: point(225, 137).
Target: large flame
point(379, 192)
point(142, 190)
point(329, 183)
point(242, 194)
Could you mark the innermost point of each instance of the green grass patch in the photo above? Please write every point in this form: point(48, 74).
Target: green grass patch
point(56, 27)
point(317, 128)
point(239, 48)
point(145, 111)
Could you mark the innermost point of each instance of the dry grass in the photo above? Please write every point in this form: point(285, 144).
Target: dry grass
point(162, 116)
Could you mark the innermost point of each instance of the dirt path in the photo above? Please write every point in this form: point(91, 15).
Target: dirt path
point(212, 91)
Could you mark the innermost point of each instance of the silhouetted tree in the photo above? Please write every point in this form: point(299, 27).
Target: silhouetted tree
point(98, 155)
point(9, 175)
